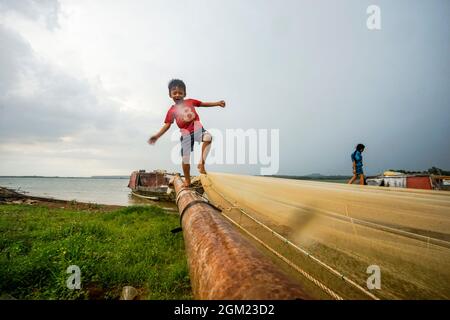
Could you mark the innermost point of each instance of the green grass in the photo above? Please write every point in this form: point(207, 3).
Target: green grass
point(130, 246)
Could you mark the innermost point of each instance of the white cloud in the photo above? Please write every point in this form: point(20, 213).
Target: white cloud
point(44, 12)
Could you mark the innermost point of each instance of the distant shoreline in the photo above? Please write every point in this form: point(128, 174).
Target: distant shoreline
point(11, 196)
point(315, 177)
point(58, 177)
point(312, 177)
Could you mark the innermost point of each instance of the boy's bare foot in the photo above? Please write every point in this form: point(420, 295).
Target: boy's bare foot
point(201, 168)
point(187, 183)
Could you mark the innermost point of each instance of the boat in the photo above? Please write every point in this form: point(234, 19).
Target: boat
point(152, 185)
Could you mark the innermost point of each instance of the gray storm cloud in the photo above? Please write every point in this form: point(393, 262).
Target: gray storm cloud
point(87, 80)
point(39, 102)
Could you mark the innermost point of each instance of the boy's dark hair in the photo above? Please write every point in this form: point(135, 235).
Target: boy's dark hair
point(360, 147)
point(177, 83)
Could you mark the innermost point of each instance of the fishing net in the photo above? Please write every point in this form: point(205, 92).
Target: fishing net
point(333, 236)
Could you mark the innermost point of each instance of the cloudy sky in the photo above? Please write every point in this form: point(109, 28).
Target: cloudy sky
point(83, 83)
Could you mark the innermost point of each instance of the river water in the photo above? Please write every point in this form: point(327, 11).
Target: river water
point(95, 190)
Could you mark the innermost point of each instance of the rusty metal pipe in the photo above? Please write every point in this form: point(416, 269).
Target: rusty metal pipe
point(222, 263)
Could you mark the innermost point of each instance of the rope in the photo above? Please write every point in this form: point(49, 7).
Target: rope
point(319, 284)
point(193, 203)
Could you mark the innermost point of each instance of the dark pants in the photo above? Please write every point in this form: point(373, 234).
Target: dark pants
point(187, 141)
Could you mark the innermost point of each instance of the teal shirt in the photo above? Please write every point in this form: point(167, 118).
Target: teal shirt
point(357, 157)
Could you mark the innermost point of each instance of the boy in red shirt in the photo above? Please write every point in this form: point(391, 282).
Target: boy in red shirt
point(183, 111)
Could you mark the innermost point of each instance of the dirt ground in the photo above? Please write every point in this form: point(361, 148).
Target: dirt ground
point(9, 196)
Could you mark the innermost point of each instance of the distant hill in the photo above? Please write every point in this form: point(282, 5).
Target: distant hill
point(110, 177)
point(57, 177)
point(312, 176)
point(432, 170)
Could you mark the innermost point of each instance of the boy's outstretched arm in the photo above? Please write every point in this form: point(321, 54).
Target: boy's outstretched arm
point(220, 103)
point(163, 130)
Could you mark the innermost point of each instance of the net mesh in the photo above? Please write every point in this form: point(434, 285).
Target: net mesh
point(334, 232)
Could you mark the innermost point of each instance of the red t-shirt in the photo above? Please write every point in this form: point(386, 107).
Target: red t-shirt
point(184, 113)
